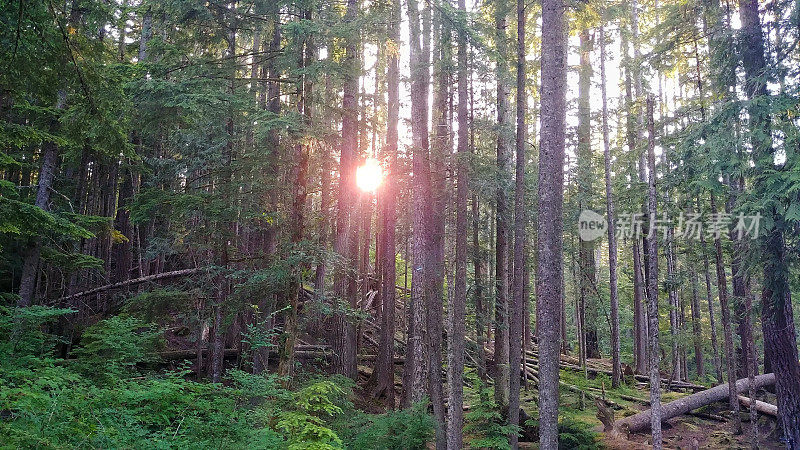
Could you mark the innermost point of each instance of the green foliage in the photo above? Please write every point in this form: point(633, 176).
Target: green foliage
point(55, 407)
point(70, 262)
point(155, 304)
point(572, 433)
point(22, 218)
point(484, 425)
point(576, 435)
point(113, 347)
point(305, 424)
point(96, 403)
point(404, 429)
point(258, 335)
point(22, 335)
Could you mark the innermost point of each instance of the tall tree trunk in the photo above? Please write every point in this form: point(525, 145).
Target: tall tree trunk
point(491, 272)
point(752, 367)
point(272, 102)
point(441, 148)
point(47, 173)
point(306, 55)
point(455, 347)
point(743, 327)
point(384, 365)
point(344, 332)
point(501, 350)
point(549, 271)
point(697, 331)
point(586, 265)
point(672, 295)
point(221, 251)
point(415, 367)
point(777, 318)
point(635, 137)
point(612, 237)
point(639, 310)
point(325, 199)
point(711, 315)
point(516, 329)
point(652, 281)
point(722, 288)
point(477, 257)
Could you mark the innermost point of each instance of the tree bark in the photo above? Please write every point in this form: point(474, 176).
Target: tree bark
point(639, 310)
point(652, 281)
point(758, 406)
point(457, 308)
point(414, 385)
point(477, 259)
point(777, 320)
point(616, 370)
point(730, 358)
point(47, 173)
point(516, 329)
point(697, 331)
point(306, 55)
point(711, 315)
point(752, 365)
point(501, 350)
point(672, 295)
point(441, 148)
point(321, 270)
point(270, 100)
point(384, 365)
point(549, 271)
point(227, 236)
point(586, 261)
point(344, 332)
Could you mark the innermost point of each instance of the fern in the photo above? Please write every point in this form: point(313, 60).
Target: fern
point(485, 427)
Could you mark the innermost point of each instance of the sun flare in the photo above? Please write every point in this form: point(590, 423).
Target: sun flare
point(369, 176)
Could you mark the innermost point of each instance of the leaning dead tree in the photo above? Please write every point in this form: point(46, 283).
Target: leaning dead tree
point(641, 421)
point(132, 282)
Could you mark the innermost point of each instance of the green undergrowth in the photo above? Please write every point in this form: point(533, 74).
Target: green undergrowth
point(111, 394)
point(484, 426)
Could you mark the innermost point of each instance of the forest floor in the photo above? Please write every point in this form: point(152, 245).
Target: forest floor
point(708, 427)
point(705, 430)
point(691, 432)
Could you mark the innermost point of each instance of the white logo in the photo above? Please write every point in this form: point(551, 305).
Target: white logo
point(591, 225)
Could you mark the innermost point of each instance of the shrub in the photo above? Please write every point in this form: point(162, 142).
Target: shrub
point(405, 429)
point(22, 332)
point(485, 427)
point(576, 435)
point(305, 425)
point(113, 347)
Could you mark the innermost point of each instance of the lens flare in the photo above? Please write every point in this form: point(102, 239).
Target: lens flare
point(369, 176)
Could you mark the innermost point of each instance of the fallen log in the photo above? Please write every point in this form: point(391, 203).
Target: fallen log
point(172, 355)
point(589, 395)
point(707, 416)
point(641, 421)
point(762, 407)
point(156, 277)
point(629, 398)
point(597, 369)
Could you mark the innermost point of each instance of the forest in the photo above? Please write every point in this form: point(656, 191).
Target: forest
point(399, 224)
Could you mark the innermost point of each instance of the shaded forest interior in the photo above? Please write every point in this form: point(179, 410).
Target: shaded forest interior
point(380, 224)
